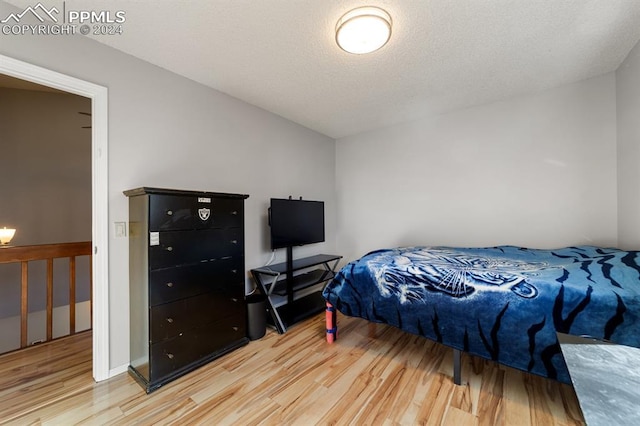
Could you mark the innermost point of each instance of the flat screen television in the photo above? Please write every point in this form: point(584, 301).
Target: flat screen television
point(296, 222)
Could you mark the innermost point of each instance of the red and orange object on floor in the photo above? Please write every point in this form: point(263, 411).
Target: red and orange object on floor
point(332, 329)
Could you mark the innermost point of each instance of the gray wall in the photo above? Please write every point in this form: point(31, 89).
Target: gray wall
point(168, 131)
point(628, 114)
point(45, 178)
point(536, 171)
point(45, 188)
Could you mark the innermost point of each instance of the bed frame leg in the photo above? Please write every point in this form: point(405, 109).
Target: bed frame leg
point(332, 326)
point(456, 367)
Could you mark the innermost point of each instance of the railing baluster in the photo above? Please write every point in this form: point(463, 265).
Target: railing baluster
point(48, 252)
point(49, 299)
point(24, 305)
point(72, 295)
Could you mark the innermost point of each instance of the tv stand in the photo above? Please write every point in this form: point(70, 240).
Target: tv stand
point(294, 288)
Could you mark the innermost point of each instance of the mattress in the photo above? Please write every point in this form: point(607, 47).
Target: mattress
point(500, 303)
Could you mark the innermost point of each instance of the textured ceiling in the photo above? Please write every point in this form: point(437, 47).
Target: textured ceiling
point(443, 54)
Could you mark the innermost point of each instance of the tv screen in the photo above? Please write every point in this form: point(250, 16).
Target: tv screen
point(296, 222)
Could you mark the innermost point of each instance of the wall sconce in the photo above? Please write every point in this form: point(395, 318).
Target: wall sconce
point(6, 235)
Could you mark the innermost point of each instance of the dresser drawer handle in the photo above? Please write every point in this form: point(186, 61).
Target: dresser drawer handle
point(169, 213)
point(234, 212)
point(169, 248)
point(169, 284)
point(234, 241)
point(235, 328)
point(234, 271)
point(170, 320)
point(233, 299)
point(170, 356)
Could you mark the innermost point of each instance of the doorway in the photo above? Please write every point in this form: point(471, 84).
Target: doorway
point(99, 191)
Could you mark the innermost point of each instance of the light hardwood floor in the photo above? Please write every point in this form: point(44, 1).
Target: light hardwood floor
point(372, 374)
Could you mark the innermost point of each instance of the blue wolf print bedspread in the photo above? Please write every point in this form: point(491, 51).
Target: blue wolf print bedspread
point(501, 303)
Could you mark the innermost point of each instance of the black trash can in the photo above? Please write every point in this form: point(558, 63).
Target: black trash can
point(257, 315)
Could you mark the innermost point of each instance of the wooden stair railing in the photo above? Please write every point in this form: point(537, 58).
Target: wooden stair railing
point(48, 252)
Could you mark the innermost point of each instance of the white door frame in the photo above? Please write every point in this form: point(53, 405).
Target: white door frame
point(99, 194)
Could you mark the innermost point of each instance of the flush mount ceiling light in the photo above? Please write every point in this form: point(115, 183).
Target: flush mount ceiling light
point(363, 30)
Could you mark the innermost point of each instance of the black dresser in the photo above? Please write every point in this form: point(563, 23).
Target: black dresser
point(186, 273)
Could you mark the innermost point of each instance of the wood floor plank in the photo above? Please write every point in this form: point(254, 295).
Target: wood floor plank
point(490, 411)
point(373, 374)
point(346, 410)
point(457, 417)
point(516, 402)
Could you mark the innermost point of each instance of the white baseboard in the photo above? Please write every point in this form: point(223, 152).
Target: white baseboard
point(37, 326)
point(118, 370)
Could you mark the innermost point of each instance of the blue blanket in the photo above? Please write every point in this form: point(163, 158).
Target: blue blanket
point(502, 303)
